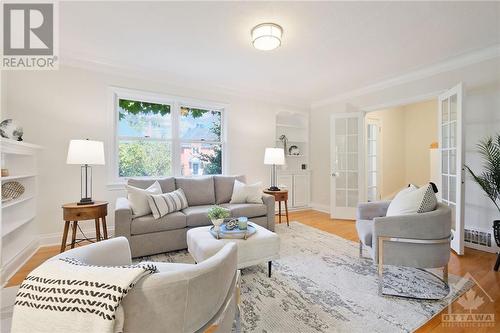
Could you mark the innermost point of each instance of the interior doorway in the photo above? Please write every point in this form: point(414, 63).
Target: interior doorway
point(401, 148)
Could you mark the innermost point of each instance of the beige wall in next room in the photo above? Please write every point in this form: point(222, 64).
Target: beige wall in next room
point(407, 133)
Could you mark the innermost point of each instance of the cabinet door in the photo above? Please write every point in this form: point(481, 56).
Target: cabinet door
point(300, 190)
point(285, 182)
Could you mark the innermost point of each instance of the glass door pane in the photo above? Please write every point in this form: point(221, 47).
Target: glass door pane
point(345, 163)
point(372, 130)
point(451, 161)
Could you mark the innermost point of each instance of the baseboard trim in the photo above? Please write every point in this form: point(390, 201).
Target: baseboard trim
point(11, 268)
point(320, 207)
point(483, 248)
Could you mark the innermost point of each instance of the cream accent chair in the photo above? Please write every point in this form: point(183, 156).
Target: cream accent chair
point(181, 297)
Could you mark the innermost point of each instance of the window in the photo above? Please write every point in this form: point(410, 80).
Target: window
point(162, 137)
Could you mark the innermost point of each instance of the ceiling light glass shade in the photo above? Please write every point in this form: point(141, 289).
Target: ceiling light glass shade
point(266, 36)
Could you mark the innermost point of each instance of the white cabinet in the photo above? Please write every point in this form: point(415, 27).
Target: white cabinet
point(285, 182)
point(298, 189)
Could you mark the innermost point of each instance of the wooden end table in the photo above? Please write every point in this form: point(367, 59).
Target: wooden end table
point(72, 213)
point(280, 196)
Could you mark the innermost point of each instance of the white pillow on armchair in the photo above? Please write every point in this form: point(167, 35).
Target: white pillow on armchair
point(413, 200)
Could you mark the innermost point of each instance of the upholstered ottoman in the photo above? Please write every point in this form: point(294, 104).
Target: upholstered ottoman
point(263, 246)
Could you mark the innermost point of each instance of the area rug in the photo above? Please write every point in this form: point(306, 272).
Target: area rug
point(321, 285)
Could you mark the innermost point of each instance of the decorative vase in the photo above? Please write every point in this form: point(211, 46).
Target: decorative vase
point(217, 223)
point(11, 129)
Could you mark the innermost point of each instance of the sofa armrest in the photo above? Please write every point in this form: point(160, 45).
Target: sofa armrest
point(123, 218)
point(431, 225)
point(371, 210)
point(434, 225)
point(268, 200)
point(110, 252)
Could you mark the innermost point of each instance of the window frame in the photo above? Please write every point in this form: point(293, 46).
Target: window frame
point(175, 102)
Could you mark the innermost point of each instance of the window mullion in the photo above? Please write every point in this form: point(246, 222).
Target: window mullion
point(176, 147)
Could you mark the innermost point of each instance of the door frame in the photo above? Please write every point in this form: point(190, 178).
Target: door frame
point(457, 243)
point(379, 154)
point(348, 213)
point(460, 146)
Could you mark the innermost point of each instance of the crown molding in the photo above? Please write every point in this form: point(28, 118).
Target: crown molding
point(111, 67)
point(463, 60)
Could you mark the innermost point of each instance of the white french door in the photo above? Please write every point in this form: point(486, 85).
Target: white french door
point(373, 159)
point(346, 145)
point(452, 156)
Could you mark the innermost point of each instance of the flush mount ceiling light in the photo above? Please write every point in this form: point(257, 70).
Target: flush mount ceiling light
point(266, 36)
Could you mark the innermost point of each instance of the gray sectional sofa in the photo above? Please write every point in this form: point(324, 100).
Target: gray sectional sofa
point(149, 236)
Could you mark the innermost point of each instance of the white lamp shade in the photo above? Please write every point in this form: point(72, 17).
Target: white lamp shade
point(85, 152)
point(274, 156)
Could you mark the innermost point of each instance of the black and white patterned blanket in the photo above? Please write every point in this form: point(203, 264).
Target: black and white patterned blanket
point(67, 295)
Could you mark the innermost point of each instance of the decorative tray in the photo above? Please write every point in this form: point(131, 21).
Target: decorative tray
point(236, 233)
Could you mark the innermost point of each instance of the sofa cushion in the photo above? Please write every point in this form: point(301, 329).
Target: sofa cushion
point(224, 187)
point(197, 216)
point(365, 231)
point(138, 198)
point(198, 190)
point(246, 209)
point(167, 184)
point(246, 193)
point(148, 224)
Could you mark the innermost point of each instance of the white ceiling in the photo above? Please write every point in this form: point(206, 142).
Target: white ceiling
point(328, 47)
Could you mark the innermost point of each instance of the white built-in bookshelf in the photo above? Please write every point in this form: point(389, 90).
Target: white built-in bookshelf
point(292, 176)
point(18, 230)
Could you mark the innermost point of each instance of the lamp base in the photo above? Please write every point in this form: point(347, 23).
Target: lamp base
point(85, 201)
point(273, 188)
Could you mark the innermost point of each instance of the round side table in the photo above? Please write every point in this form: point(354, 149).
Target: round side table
point(280, 196)
point(72, 213)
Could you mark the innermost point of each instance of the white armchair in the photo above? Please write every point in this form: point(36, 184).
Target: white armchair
point(181, 297)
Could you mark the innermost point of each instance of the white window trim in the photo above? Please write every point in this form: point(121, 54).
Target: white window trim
point(175, 102)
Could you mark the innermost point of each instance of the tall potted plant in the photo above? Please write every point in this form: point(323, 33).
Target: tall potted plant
point(489, 178)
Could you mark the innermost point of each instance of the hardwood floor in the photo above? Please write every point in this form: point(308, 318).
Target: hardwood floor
point(476, 263)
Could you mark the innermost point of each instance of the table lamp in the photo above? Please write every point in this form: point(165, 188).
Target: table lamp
point(274, 156)
point(85, 153)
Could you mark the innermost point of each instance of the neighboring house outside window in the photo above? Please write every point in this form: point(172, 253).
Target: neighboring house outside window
point(164, 138)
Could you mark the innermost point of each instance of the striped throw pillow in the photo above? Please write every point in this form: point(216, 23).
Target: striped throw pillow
point(166, 203)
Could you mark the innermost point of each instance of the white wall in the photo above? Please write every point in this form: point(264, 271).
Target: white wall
point(407, 133)
point(481, 119)
point(421, 131)
point(56, 106)
point(392, 147)
point(482, 116)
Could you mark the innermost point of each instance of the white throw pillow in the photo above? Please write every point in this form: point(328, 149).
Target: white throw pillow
point(243, 193)
point(166, 203)
point(413, 200)
point(138, 198)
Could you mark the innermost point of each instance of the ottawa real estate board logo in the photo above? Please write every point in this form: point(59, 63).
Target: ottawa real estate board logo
point(29, 36)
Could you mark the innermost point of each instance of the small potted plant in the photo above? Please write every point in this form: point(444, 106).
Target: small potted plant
point(217, 214)
point(489, 178)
